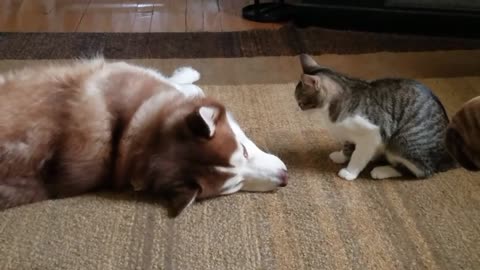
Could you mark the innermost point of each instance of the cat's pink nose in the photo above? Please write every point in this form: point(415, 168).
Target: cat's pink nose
point(283, 178)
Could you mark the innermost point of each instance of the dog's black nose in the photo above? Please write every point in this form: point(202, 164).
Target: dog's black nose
point(283, 178)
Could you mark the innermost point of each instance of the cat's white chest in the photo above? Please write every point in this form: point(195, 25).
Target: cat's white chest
point(356, 129)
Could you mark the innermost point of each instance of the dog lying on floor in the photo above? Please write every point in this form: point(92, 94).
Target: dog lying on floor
point(69, 129)
point(463, 135)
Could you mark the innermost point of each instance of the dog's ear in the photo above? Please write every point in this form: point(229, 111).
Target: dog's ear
point(202, 122)
point(181, 198)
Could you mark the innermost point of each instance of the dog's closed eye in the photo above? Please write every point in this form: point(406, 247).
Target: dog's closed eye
point(245, 152)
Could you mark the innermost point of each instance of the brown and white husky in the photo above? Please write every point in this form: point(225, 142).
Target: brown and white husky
point(69, 129)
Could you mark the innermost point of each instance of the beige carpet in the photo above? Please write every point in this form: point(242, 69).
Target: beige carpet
point(317, 222)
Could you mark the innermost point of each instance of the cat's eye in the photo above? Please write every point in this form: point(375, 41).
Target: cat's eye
point(245, 153)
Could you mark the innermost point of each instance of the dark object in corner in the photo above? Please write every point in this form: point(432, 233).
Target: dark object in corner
point(427, 17)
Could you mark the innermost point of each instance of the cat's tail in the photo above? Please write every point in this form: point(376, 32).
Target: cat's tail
point(185, 75)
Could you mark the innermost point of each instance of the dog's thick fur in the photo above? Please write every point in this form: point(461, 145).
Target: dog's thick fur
point(69, 129)
point(463, 135)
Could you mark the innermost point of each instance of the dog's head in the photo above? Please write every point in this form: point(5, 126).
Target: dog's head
point(193, 149)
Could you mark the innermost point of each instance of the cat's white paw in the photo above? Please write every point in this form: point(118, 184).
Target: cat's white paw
point(338, 157)
point(383, 172)
point(345, 174)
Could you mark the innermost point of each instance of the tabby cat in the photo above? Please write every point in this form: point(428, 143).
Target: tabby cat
point(397, 119)
point(463, 135)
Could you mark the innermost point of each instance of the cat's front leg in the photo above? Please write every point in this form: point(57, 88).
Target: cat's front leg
point(364, 151)
point(343, 155)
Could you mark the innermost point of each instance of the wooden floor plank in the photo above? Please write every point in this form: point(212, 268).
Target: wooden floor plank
point(212, 18)
point(125, 16)
point(109, 16)
point(143, 16)
point(169, 16)
point(42, 16)
point(194, 16)
point(8, 14)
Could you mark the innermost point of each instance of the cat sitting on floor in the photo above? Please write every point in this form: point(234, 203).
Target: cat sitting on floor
point(397, 119)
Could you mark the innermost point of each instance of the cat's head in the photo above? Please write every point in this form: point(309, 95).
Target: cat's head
point(315, 88)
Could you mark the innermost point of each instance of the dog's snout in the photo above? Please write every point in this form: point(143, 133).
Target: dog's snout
point(283, 178)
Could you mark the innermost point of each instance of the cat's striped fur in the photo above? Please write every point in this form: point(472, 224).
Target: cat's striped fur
point(463, 135)
point(407, 117)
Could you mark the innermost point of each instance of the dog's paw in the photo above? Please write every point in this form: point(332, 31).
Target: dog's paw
point(338, 157)
point(345, 174)
point(383, 172)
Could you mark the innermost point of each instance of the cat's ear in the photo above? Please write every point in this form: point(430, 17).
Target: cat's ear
point(308, 63)
point(321, 83)
point(311, 81)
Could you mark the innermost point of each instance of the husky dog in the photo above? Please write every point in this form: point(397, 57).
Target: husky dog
point(70, 129)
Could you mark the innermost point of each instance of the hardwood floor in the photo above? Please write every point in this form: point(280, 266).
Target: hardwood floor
point(125, 16)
